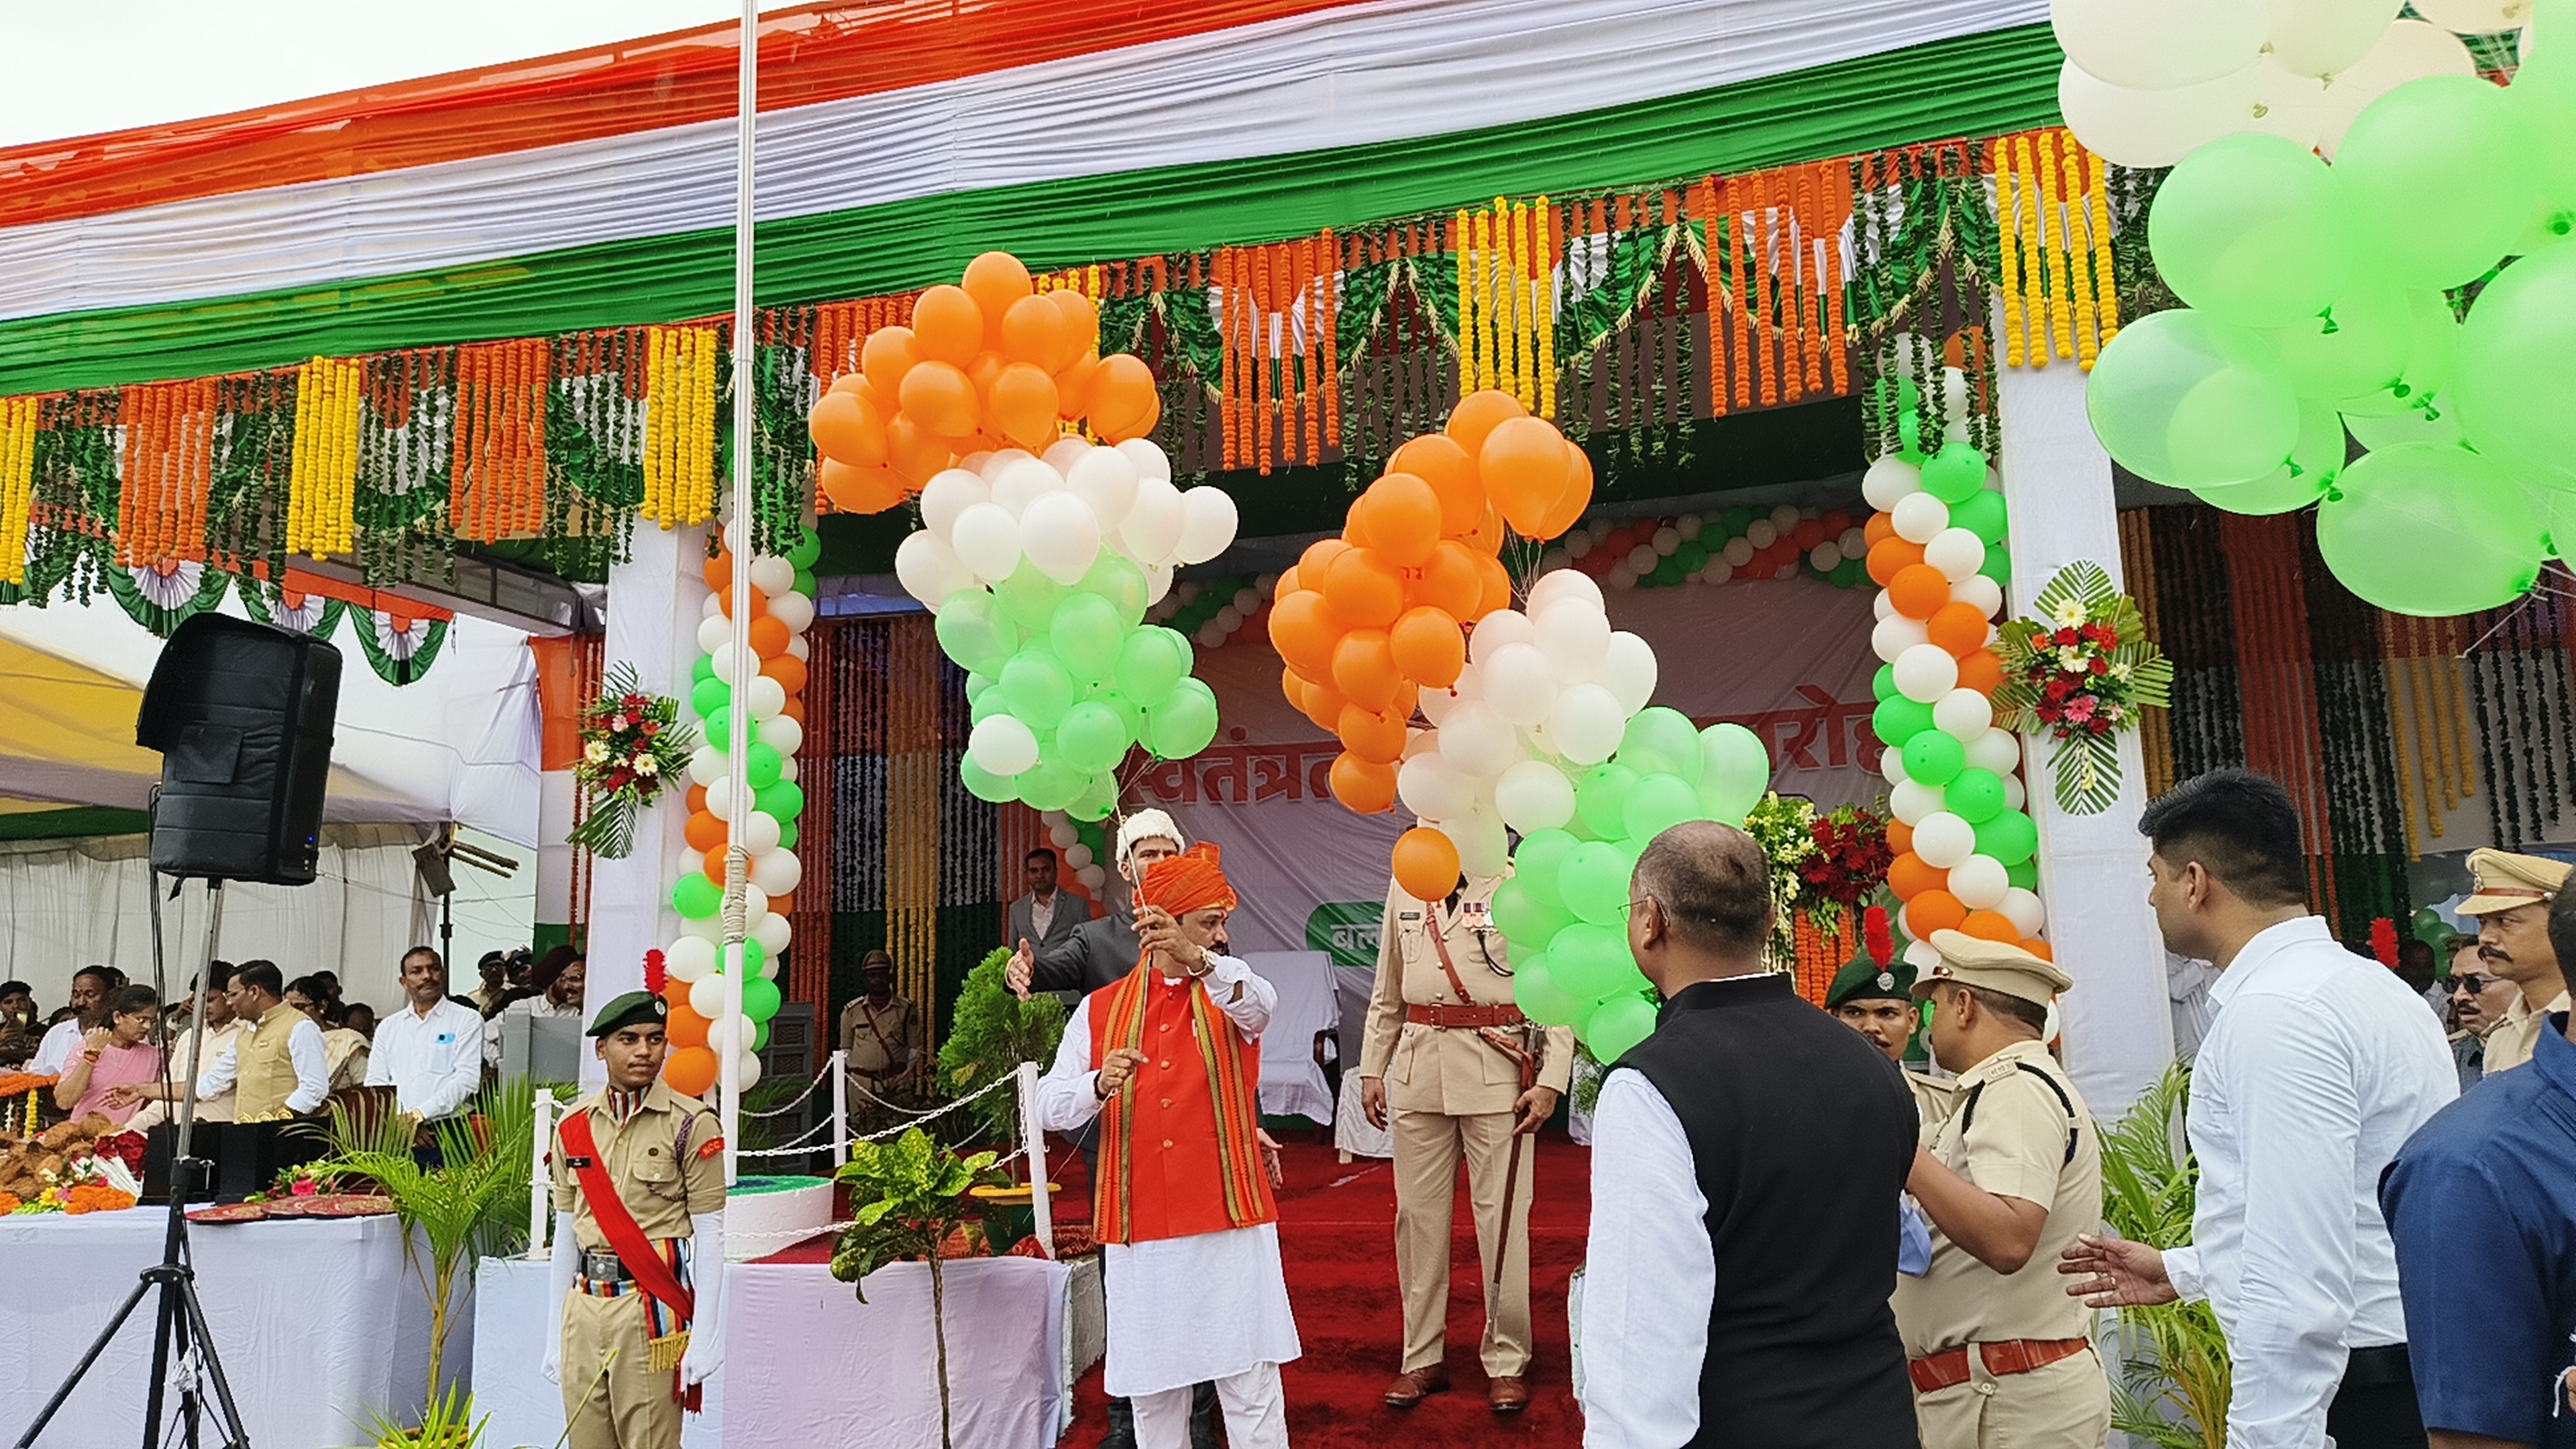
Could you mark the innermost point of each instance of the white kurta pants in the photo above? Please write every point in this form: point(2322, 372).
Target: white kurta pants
point(1256, 1415)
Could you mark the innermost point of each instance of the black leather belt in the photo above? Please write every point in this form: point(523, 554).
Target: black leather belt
point(2379, 1364)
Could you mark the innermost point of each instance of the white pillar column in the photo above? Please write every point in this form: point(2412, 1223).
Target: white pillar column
point(2092, 868)
point(654, 604)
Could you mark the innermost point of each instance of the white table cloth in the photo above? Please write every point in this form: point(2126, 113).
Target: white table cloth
point(1292, 1081)
point(319, 1324)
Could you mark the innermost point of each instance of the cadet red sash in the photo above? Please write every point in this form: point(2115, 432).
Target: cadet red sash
point(634, 1250)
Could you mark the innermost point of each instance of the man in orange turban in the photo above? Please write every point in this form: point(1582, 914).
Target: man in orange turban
point(1169, 1059)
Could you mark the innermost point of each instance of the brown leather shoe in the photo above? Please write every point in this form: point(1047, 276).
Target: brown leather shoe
point(1507, 1395)
point(1414, 1385)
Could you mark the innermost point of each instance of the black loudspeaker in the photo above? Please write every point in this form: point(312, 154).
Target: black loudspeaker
point(241, 714)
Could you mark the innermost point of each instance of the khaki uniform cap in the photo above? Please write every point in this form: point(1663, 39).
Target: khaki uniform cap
point(2505, 880)
point(1995, 965)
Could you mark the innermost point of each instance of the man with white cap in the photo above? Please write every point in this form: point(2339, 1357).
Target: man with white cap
point(1102, 951)
point(2510, 903)
point(1998, 1353)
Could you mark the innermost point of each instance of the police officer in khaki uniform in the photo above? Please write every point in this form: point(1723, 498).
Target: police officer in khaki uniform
point(1998, 1352)
point(639, 1222)
point(1457, 1070)
point(2510, 903)
point(1876, 999)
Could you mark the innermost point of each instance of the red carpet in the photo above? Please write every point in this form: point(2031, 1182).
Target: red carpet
point(1337, 1241)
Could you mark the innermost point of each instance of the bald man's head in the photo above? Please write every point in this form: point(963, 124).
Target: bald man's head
point(1712, 885)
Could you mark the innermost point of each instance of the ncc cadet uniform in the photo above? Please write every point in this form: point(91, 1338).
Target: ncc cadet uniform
point(1455, 1055)
point(2004, 1358)
point(1864, 979)
point(2505, 882)
point(662, 1156)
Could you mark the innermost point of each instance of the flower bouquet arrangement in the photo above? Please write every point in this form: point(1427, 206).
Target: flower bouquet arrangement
point(2081, 671)
point(1850, 861)
point(633, 745)
point(1785, 827)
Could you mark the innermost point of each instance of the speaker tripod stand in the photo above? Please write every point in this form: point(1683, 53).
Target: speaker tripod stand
point(183, 1352)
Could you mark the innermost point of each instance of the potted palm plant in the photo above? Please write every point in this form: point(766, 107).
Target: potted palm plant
point(907, 1197)
point(2174, 1383)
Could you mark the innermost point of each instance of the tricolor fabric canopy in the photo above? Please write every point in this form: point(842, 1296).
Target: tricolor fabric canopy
point(596, 188)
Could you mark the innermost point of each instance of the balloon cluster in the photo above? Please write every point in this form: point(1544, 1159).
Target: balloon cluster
point(1716, 546)
point(2317, 306)
point(781, 607)
point(1370, 621)
point(989, 365)
point(1963, 842)
point(1084, 847)
point(1040, 570)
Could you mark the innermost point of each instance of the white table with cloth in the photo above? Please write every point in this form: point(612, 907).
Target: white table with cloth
point(806, 1363)
point(1292, 1081)
point(319, 1323)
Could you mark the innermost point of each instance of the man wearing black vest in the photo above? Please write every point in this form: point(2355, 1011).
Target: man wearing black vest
point(1746, 1164)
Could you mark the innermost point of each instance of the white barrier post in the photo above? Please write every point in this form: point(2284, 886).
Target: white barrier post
point(540, 1177)
point(840, 1109)
point(1033, 1147)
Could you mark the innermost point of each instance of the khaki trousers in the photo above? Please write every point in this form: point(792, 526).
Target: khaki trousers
point(1427, 1148)
point(624, 1405)
point(2063, 1405)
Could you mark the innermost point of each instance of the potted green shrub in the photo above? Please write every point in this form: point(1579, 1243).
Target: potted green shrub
point(2174, 1383)
point(907, 1196)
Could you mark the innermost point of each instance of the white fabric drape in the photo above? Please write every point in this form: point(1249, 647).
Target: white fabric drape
point(1292, 1082)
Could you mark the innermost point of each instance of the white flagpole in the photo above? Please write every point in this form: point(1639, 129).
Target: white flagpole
point(738, 539)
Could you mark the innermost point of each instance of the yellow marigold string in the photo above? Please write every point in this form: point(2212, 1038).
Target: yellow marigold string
point(1546, 311)
point(1487, 349)
point(2034, 299)
point(2098, 200)
point(322, 476)
point(19, 418)
point(2079, 252)
point(1459, 240)
point(2008, 206)
point(2054, 244)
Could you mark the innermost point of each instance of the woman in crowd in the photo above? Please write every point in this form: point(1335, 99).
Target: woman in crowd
point(115, 1053)
point(344, 1052)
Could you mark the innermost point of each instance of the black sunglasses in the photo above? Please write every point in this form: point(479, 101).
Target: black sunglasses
point(2471, 982)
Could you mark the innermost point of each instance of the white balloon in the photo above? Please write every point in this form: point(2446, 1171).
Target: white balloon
point(1152, 529)
point(1762, 533)
point(1435, 704)
point(1919, 517)
point(2015, 797)
point(712, 606)
point(1103, 478)
point(1667, 541)
point(1535, 742)
point(1893, 635)
point(720, 796)
point(2149, 128)
point(1925, 672)
point(1496, 630)
point(767, 697)
point(760, 832)
point(746, 1073)
point(1061, 834)
point(2410, 50)
point(713, 631)
point(706, 765)
point(777, 872)
point(994, 462)
point(1061, 453)
point(1093, 877)
point(798, 649)
point(1979, 881)
point(792, 609)
point(1642, 559)
point(1558, 584)
point(754, 901)
point(1921, 955)
point(1586, 724)
point(1977, 589)
point(1148, 459)
point(947, 494)
point(1477, 740)
point(1208, 521)
point(781, 732)
point(1158, 583)
point(1891, 765)
point(2159, 44)
point(1825, 557)
point(1883, 607)
point(1024, 483)
point(1483, 849)
point(1963, 714)
point(707, 996)
point(1889, 481)
point(1060, 534)
point(1854, 542)
point(1227, 619)
point(768, 968)
point(2024, 910)
point(1574, 635)
point(687, 958)
point(727, 663)
point(772, 575)
point(2479, 17)
point(705, 928)
point(1433, 788)
point(1943, 839)
point(1520, 685)
point(1913, 800)
point(1689, 525)
point(1956, 552)
point(1534, 795)
point(787, 770)
point(1000, 744)
point(1629, 672)
point(987, 539)
point(1077, 855)
point(2323, 37)
point(1717, 572)
point(1210, 634)
point(1786, 516)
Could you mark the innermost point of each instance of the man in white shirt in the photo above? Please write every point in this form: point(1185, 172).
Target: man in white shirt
point(223, 1028)
point(2318, 1066)
point(430, 1053)
point(275, 1061)
point(90, 988)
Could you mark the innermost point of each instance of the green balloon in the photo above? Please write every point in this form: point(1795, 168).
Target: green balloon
point(780, 800)
point(1692, 556)
point(2008, 836)
point(1030, 597)
point(1594, 879)
point(1734, 771)
point(2445, 174)
point(2437, 421)
point(1667, 573)
point(1601, 798)
point(709, 695)
point(1998, 565)
point(807, 548)
point(2183, 400)
point(1882, 685)
point(1587, 960)
point(759, 1036)
point(1092, 738)
point(1660, 740)
point(2513, 389)
point(976, 685)
point(975, 632)
point(1849, 574)
point(1526, 921)
point(1130, 713)
point(1537, 866)
point(983, 784)
point(805, 583)
point(759, 997)
point(787, 833)
point(1086, 633)
point(1616, 1026)
point(1152, 662)
point(2427, 926)
point(2430, 530)
point(1981, 513)
point(2432, 360)
point(1099, 797)
point(2025, 874)
point(1974, 795)
point(703, 670)
point(1051, 784)
point(2315, 460)
point(1183, 724)
point(1933, 758)
point(1897, 721)
point(751, 958)
point(695, 897)
point(2358, 345)
point(1659, 803)
point(1037, 688)
point(717, 732)
point(1535, 992)
point(1955, 474)
point(2255, 230)
point(760, 766)
point(990, 703)
point(1121, 583)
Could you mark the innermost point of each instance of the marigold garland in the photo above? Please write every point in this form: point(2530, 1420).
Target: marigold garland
point(20, 418)
point(322, 476)
point(679, 426)
point(2053, 223)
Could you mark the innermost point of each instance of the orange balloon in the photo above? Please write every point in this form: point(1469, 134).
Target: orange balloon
point(987, 366)
point(1576, 498)
point(1294, 686)
point(1452, 580)
point(769, 638)
point(675, 992)
point(1880, 525)
point(1290, 581)
point(1023, 405)
point(1363, 587)
point(795, 710)
point(718, 570)
point(1525, 470)
point(1376, 736)
point(859, 490)
point(2038, 948)
point(1304, 629)
point(886, 356)
point(711, 864)
point(1981, 671)
point(1487, 536)
point(1918, 591)
point(1429, 647)
point(1407, 695)
point(705, 831)
point(1498, 586)
point(1436, 459)
point(995, 280)
point(1081, 320)
point(1933, 910)
point(1959, 628)
point(947, 326)
point(1910, 875)
point(759, 602)
point(1476, 415)
point(684, 1027)
point(1900, 839)
point(689, 1071)
point(1426, 864)
point(1123, 401)
point(914, 452)
point(1362, 786)
point(1364, 670)
point(1317, 561)
point(941, 399)
point(1990, 926)
point(1034, 332)
point(695, 801)
point(854, 384)
point(1404, 514)
point(1324, 706)
point(844, 429)
point(1073, 387)
point(788, 670)
point(1891, 556)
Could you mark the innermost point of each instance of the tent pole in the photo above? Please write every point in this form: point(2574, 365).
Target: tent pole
point(739, 540)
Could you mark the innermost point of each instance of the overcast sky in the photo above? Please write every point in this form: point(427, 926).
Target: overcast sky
point(84, 66)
